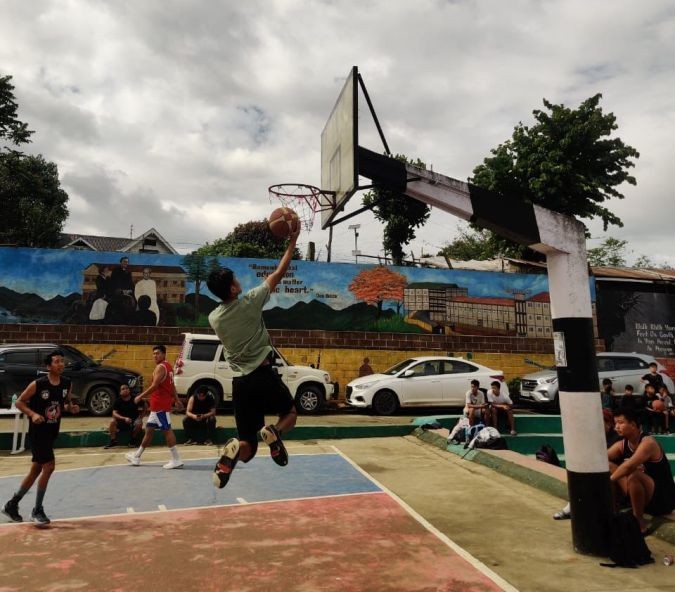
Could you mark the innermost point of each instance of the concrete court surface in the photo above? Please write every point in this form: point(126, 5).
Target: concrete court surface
point(501, 522)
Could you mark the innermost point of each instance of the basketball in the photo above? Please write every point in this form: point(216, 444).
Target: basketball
point(658, 405)
point(283, 222)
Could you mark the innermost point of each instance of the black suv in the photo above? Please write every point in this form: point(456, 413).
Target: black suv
point(94, 386)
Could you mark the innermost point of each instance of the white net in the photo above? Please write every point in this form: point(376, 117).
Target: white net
point(304, 200)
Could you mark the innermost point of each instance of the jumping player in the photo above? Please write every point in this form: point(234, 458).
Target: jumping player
point(43, 401)
point(239, 325)
point(162, 394)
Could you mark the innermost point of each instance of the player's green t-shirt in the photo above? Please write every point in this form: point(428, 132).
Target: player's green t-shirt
point(241, 330)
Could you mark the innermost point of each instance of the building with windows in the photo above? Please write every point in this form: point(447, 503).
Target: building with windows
point(150, 241)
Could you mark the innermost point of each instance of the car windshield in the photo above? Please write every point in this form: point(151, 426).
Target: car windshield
point(74, 356)
point(398, 367)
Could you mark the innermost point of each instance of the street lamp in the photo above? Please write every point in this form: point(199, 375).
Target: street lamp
point(355, 252)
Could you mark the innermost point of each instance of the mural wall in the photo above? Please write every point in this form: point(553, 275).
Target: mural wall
point(81, 287)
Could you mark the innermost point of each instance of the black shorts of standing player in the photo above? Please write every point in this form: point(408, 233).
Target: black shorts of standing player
point(42, 445)
point(254, 395)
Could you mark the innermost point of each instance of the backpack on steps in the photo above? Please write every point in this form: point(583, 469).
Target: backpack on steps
point(627, 546)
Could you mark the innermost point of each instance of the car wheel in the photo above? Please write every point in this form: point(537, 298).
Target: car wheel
point(385, 403)
point(309, 399)
point(100, 400)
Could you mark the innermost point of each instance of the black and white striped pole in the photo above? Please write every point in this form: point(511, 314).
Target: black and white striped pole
point(561, 238)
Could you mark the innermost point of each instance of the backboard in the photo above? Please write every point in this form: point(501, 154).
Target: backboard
point(339, 153)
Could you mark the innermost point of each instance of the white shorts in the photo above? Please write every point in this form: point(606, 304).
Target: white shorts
point(159, 420)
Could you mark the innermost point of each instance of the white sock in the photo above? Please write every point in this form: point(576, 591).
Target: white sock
point(138, 453)
point(174, 453)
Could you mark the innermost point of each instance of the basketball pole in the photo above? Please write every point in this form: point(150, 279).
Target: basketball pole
point(561, 238)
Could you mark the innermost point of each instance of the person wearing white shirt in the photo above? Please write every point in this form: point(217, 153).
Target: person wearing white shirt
point(147, 287)
point(500, 403)
point(476, 409)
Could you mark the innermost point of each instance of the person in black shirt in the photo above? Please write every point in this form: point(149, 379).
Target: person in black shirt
point(629, 400)
point(127, 417)
point(640, 470)
point(121, 278)
point(42, 401)
point(653, 377)
point(199, 422)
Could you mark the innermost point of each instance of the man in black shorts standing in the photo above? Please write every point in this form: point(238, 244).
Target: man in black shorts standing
point(239, 325)
point(43, 401)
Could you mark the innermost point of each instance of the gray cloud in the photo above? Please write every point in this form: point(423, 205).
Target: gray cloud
point(180, 115)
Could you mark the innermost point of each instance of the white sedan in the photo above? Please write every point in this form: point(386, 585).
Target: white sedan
point(423, 381)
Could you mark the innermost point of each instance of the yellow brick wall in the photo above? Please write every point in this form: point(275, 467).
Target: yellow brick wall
point(342, 364)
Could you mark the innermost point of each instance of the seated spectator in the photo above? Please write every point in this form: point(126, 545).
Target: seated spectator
point(607, 394)
point(199, 422)
point(631, 401)
point(611, 437)
point(640, 470)
point(127, 416)
point(500, 404)
point(653, 377)
point(652, 416)
point(476, 409)
point(669, 411)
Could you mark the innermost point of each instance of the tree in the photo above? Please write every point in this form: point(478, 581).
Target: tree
point(610, 253)
point(480, 245)
point(566, 162)
point(378, 284)
point(251, 239)
point(400, 214)
point(198, 267)
point(34, 207)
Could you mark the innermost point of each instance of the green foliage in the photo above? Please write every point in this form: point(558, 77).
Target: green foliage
point(34, 207)
point(251, 239)
point(481, 245)
point(198, 267)
point(610, 253)
point(395, 324)
point(400, 214)
point(566, 162)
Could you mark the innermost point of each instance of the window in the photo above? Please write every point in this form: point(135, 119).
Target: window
point(630, 364)
point(24, 357)
point(457, 367)
point(203, 351)
point(430, 368)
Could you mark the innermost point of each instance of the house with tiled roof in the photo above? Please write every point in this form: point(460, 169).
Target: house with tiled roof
point(149, 241)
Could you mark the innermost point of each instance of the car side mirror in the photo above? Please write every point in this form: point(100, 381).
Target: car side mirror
point(408, 373)
point(278, 362)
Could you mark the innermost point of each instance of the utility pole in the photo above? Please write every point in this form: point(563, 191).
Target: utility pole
point(355, 252)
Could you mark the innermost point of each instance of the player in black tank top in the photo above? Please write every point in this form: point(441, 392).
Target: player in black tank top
point(43, 401)
point(640, 469)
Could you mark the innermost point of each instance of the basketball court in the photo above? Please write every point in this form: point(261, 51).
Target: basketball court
point(321, 523)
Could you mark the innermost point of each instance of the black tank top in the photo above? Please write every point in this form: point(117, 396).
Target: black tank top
point(202, 407)
point(658, 470)
point(48, 402)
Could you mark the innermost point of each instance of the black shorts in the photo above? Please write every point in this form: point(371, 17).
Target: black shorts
point(42, 445)
point(256, 394)
point(123, 426)
point(662, 502)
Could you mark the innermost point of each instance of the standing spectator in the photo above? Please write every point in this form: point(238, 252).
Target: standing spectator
point(121, 278)
point(607, 395)
point(42, 401)
point(162, 393)
point(127, 416)
point(653, 377)
point(476, 409)
point(365, 369)
point(640, 470)
point(147, 287)
point(199, 422)
point(500, 403)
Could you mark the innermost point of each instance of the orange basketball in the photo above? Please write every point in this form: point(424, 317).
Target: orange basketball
point(658, 405)
point(282, 222)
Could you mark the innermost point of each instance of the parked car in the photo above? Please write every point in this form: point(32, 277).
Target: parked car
point(94, 386)
point(420, 381)
point(201, 362)
point(541, 388)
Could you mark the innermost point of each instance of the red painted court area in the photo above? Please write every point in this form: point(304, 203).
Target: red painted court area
point(364, 542)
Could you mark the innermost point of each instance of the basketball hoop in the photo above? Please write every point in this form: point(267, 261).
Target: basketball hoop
point(305, 200)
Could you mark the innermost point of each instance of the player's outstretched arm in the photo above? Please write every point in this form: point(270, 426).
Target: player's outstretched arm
point(275, 277)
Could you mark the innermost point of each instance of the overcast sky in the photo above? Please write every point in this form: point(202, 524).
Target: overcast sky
point(179, 115)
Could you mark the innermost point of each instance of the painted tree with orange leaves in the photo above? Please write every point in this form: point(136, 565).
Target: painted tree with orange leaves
point(378, 284)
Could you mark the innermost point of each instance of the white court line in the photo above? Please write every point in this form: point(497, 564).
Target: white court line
point(241, 500)
point(479, 565)
point(162, 508)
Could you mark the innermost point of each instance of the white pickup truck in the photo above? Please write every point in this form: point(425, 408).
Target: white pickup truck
point(201, 361)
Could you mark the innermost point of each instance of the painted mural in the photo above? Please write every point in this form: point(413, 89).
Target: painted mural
point(71, 286)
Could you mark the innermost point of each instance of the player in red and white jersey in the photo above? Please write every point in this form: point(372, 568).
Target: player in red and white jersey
point(163, 396)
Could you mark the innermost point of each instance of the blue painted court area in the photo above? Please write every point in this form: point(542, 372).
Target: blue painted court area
point(115, 489)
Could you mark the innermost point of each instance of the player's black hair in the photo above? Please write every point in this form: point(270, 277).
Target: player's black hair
point(629, 387)
point(219, 282)
point(606, 381)
point(496, 383)
point(51, 355)
point(159, 347)
point(630, 415)
point(474, 382)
